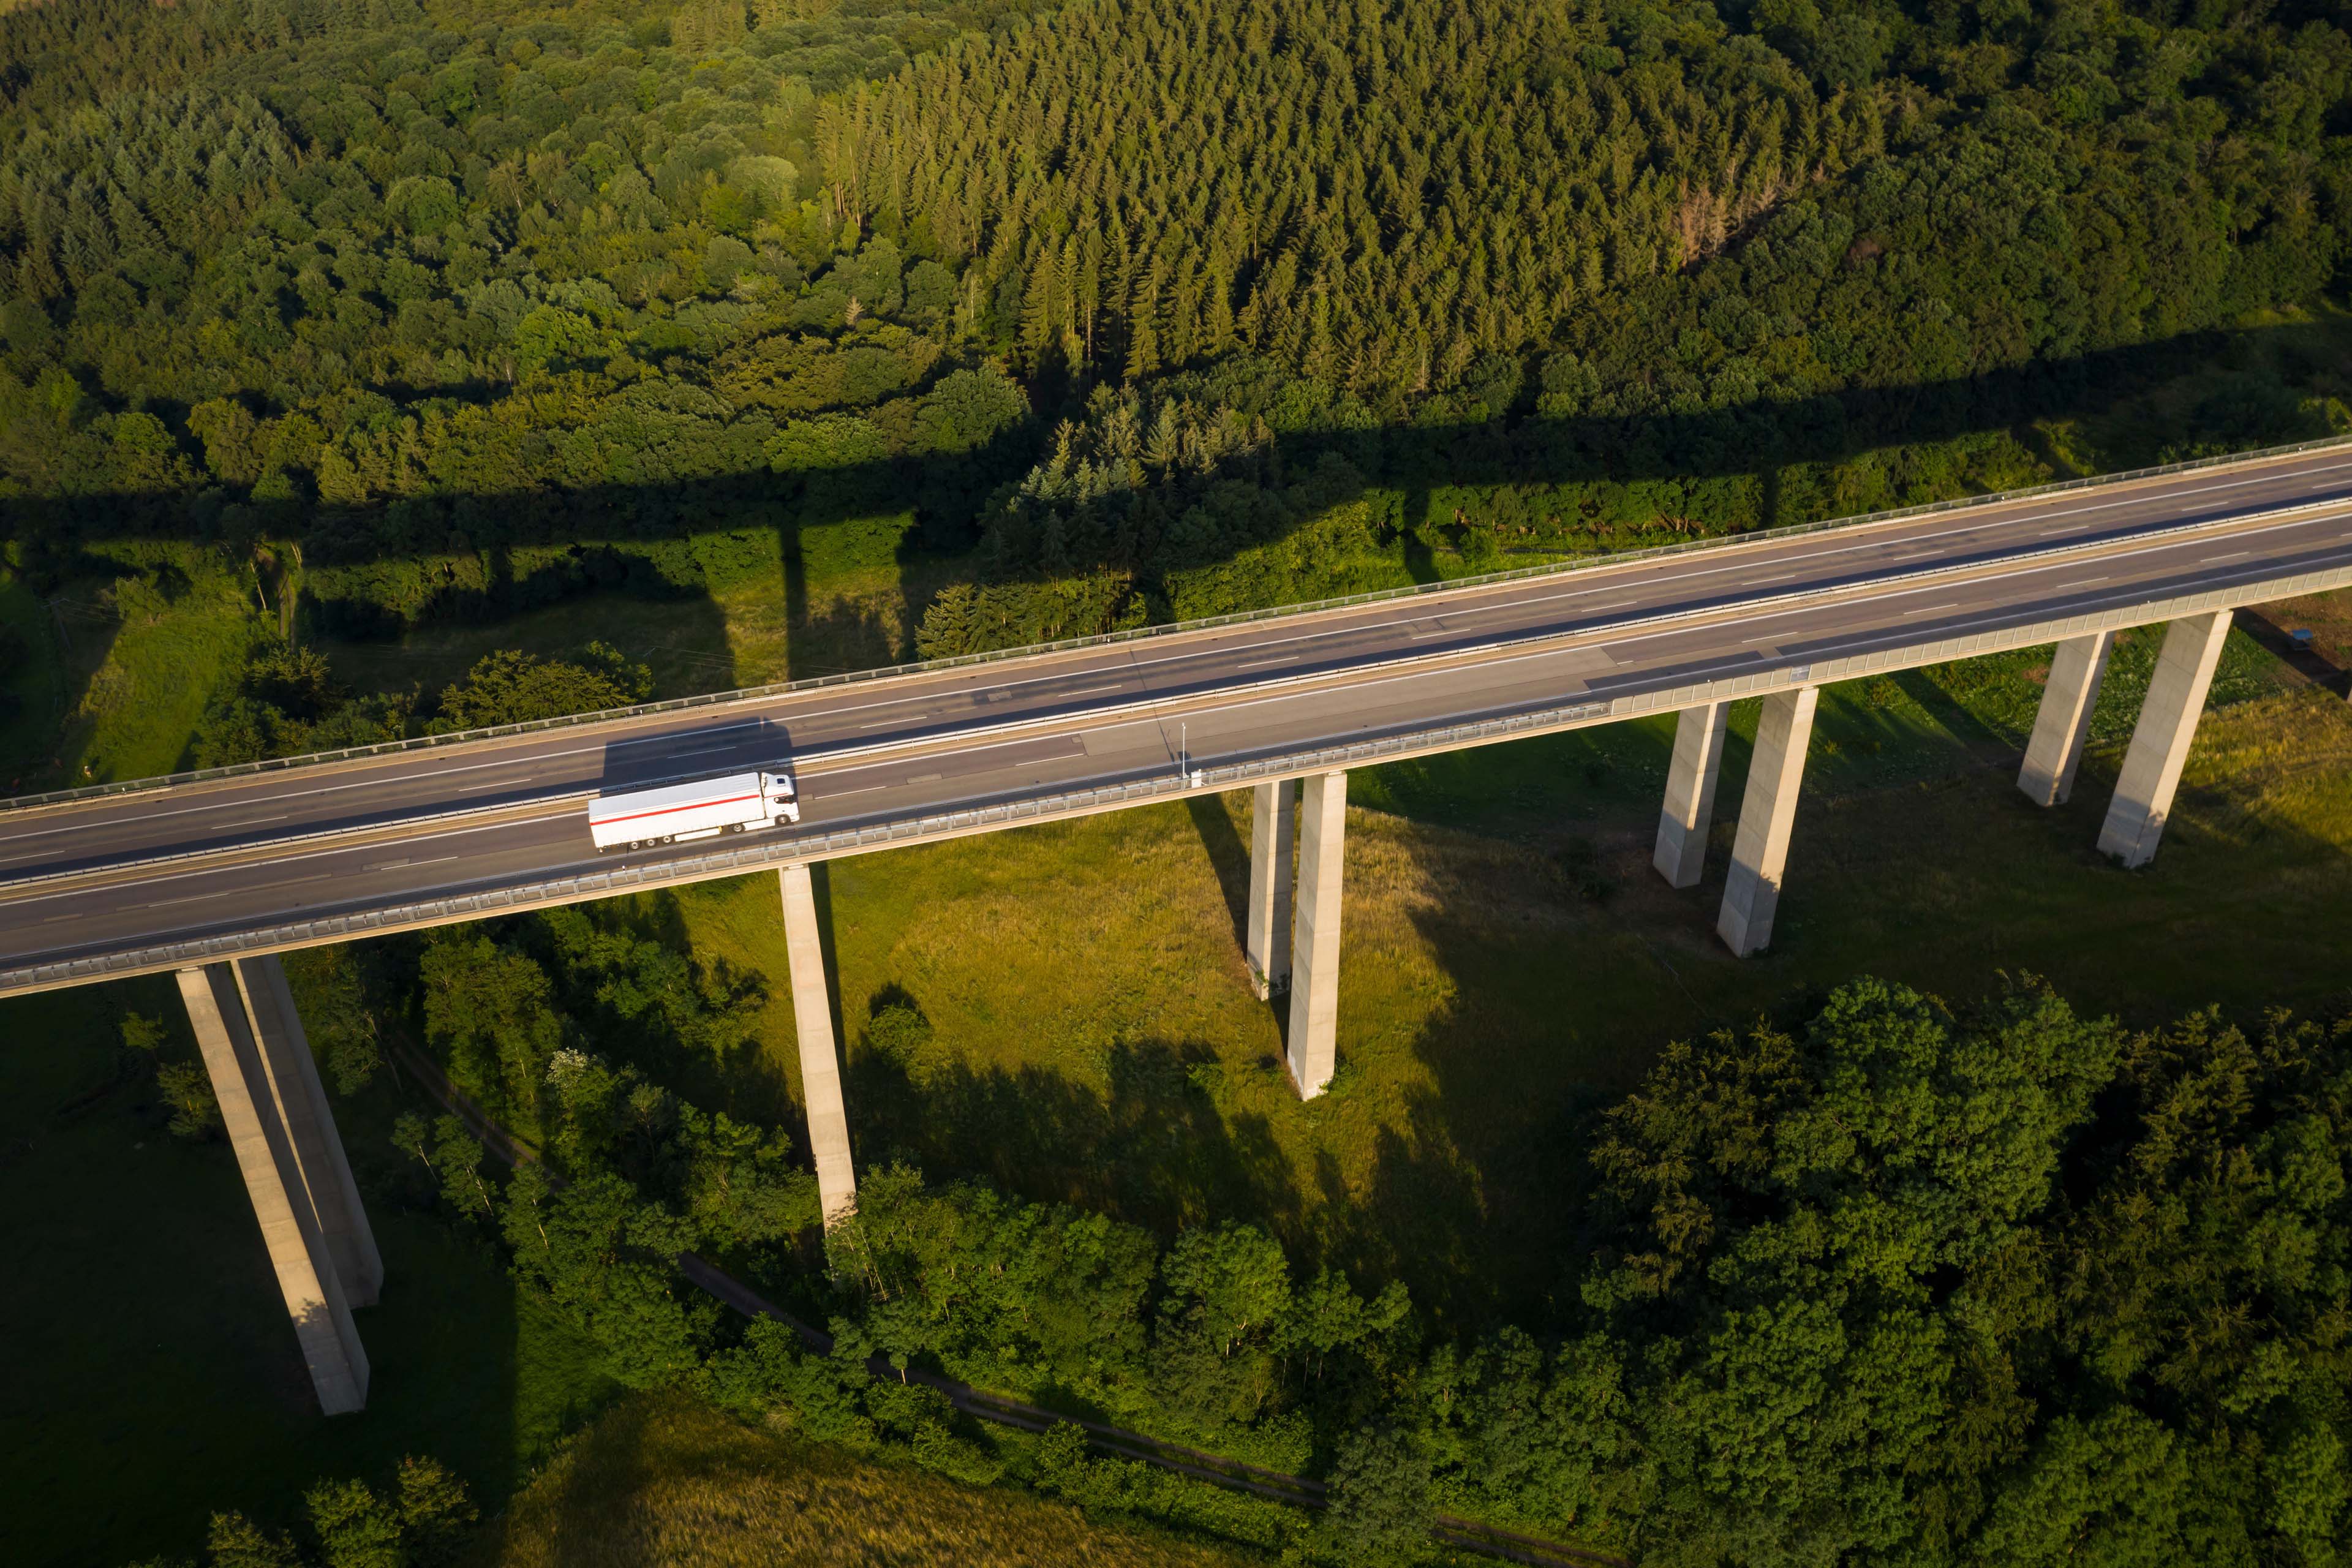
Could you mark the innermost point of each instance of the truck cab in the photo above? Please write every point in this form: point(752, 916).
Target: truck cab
point(783, 800)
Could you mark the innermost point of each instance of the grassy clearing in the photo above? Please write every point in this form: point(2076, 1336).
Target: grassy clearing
point(1510, 959)
point(118, 668)
point(669, 1481)
point(837, 598)
point(153, 1377)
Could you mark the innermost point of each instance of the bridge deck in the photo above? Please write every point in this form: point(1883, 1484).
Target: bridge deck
point(106, 884)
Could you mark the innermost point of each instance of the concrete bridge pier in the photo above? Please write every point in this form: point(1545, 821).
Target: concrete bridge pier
point(1273, 842)
point(286, 1146)
point(2062, 723)
point(1688, 815)
point(318, 1149)
point(1760, 852)
point(2160, 741)
point(828, 1121)
point(1315, 941)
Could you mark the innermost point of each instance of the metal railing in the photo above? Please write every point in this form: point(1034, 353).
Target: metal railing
point(1105, 640)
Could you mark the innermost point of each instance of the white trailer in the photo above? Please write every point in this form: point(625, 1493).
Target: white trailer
point(676, 814)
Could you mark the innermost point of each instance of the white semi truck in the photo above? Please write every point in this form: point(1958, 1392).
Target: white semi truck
point(675, 814)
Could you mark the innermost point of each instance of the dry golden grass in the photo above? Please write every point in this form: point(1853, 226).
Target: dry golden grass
point(666, 1482)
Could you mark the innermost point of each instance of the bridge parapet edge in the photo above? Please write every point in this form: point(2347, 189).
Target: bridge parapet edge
point(996, 817)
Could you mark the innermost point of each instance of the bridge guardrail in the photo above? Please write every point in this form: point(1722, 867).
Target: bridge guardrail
point(1105, 640)
point(840, 842)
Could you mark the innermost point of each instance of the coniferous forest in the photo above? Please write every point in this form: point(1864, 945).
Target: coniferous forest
point(1142, 310)
point(435, 312)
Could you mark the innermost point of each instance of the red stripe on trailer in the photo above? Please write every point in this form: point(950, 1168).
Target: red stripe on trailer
point(665, 811)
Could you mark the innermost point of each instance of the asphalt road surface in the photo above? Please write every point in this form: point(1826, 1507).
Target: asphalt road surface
point(119, 873)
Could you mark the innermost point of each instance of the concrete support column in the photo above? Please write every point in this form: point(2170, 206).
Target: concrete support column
point(2159, 742)
point(1315, 941)
point(1760, 852)
point(301, 1101)
point(264, 1153)
point(2063, 722)
point(1689, 812)
point(1272, 841)
point(828, 1122)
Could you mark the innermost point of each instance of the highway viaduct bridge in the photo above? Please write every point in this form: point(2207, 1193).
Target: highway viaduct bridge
point(211, 876)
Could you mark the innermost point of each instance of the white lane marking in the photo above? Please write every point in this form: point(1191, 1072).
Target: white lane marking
point(493, 784)
point(886, 723)
point(2083, 583)
point(396, 865)
point(2148, 551)
point(1269, 663)
point(150, 817)
point(1933, 609)
point(2008, 614)
point(1781, 578)
point(1909, 538)
point(283, 859)
point(2231, 556)
point(262, 887)
point(714, 729)
point(1518, 602)
point(322, 789)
